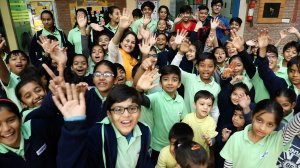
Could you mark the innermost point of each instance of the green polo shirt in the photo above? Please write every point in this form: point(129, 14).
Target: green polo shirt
point(74, 37)
point(242, 152)
point(166, 112)
point(151, 25)
point(288, 118)
point(55, 33)
point(128, 152)
point(261, 91)
point(112, 29)
point(11, 87)
point(282, 73)
point(192, 84)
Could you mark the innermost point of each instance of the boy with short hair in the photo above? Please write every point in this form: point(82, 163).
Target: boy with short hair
point(179, 133)
point(146, 21)
point(185, 22)
point(117, 141)
point(167, 106)
point(216, 6)
point(15, 62)
point(201, 122)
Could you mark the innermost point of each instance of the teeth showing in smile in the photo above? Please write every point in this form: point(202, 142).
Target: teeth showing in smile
point(8, 135)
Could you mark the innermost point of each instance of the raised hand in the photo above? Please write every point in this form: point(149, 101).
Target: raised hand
point(180, 36)
point(148, 63)
point(152, 39)
point(57, 81)
point(146, 80)
point(198, 26)
point(184, 47)
point(44, 42)
point(145, 47)
point(236, 79)
point(72, 104)
point(97, 27)
point(214, 23)
point(263, 38)
point(252, 42)
point(2, 42)
point(178, 19)
point(244, 101)
point(237, 41)
point(283, 33)
point(58, 54)
point(228, 71)
point(225, 134)
point(292, 30)
point(144, 33)
point(210, 38)
point(146, 21)
point(125, 21)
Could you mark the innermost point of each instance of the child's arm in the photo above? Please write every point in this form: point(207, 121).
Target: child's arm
point(214, 23)
point(283, 34)
point(271, 81)
point(147, 64)
point(4, 73)
point(146, 80)
point(291, 129)
point(293, 30)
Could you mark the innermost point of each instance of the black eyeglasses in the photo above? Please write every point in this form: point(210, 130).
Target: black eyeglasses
point(120, 110)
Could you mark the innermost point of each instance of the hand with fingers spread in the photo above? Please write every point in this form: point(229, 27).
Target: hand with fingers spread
point(210, 38)
point(252, 42)
point(283, 33)
point(293, 30)
point(228, 71)
point(244, 102)
point(82, 87)
point(2, 43)
point(97, 27)
point(237, 41)
point(44, 42)
point(225, 134)
point(146, 21)
point(237, 79)
point(180, 36)
point(72, 104)
point(152, 39)
point(214, 23)
point(146, 80)
point(149, 63)
point(145, 47)
point(198, 26)
point(58, 54)
point(178, 19)
point(125, 21)
point(57, 81)
point(144, 33)
point(263, 38)
point(184, 47)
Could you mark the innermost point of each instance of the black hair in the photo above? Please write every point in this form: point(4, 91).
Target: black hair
point(288, 93)
point(158, 34)
point(214, 2)
point(97, 44)
point(236, 19)
point(181, 132)
point(203, 94)
point(152, 48)
point(190, 153)
point(170, 69)
point(136, 51)
point(203, 7)
point(9, 106)
point(295, 60)
point(216, 48)
point(109, 64)
point(79, 10)
point(47, 12)
point(269, 106)
point(80, 55)
point(119, 66)
point(134, 69)
point(15, 52)
point(240, 85)
point(291, 44)
point(185, 9)
point(51, 37)
point(204, 56)
point(172, 34)
point(148, 4)
point(235, 57)
point(167, 9)
point(272, 49)
point(120, 93)
point(239, 108)
point(110, 10)
point(137, 13)
point(24, 82)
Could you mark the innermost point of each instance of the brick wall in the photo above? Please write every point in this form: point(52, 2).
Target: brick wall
point(251, 32)
point(63, 12)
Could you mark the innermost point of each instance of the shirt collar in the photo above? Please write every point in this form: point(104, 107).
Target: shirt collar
point(246, 136)
point(99, 95)
point(168, 97)
point(211, 83)
point(135, 132)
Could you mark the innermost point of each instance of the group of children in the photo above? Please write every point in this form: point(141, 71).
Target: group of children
point(188, 92)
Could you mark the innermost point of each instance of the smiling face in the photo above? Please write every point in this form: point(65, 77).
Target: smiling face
point(121, 78)
point(125, 122)
point(47, 21)
point(80, 65)
point(231, 50)
point(236, 95)
point(104, 84)
point(289, 53)
point(17, 63)
point(239, 68)
point(286, 105)
point(191, 54)
point(235, 26)
point(206, 69)
point(10, 126)
point(32, 95)
point(97, 54)
point(161, 42)
point(294, 74)
point(161, 25)
point(220, 55)
point(147, 11)
point(216, 8)
point(163, 13)
point(103, 41)
point(238, 119)
point(263, 123)
point(273, 60)
point(186, 16)
point(128, 43)
point(203, 107)
point(170, 83)
point(115, 16)
point(202, 15)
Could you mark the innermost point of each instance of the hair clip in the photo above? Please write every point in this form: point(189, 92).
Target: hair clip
point(178, 145)
point(195, 147)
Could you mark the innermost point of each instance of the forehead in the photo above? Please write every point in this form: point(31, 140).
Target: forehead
point(29, 87)
point(162, 21)
point(103, 37)
point(234, 23)
point(294, 67)
point(266, 116)
point(97, 47)
point(80, 13)
point(17, 55)
point(282, 99)
point(203, 11)
point(103, 68)
point(220, 50)
point(238, 90)
point(161, 36)
point(79, 58)
point(46, 15)
point(291, 48)
point(207, 61)
point(172, 75)
point(204, 100)
point(238, 112)
point(146, 8)
point(130, 37)
point(124, 103)
point(4, 114)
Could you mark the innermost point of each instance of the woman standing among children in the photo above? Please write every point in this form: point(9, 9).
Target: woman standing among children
point(123, 48)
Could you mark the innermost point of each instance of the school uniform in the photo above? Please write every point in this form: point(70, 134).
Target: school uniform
point(202, 33)
point(112, 29)
point(103, 146)
point(190, 28)
point(166, 159)
point(152, 25)
point(74, 37)
point(11, 87)
point(38, 146)
point(291, 157)
point(166, 112)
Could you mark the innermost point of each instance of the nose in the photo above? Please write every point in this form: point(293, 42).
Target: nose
point(5, 127)
point(36, 96)
point(262, 127)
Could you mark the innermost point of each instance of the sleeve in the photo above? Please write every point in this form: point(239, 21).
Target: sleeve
point(272, 82)
point(184, 111)
point(211, 131)
point(177, 59)
point(161, 162)
point(193, 36)
point(291, 129)
point(113, 51)
point(33, 50)
point(215, 113)
point(248, 63)
point(228, 150)
point(134, 26)
point(228, 164)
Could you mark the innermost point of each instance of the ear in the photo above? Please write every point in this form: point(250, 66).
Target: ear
point(24, 105)
point(293, 105)
point(179, 85)
point(108, 114)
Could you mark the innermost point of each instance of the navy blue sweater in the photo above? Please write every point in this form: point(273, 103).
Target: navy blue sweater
point(44, 133)
point(81, 147)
